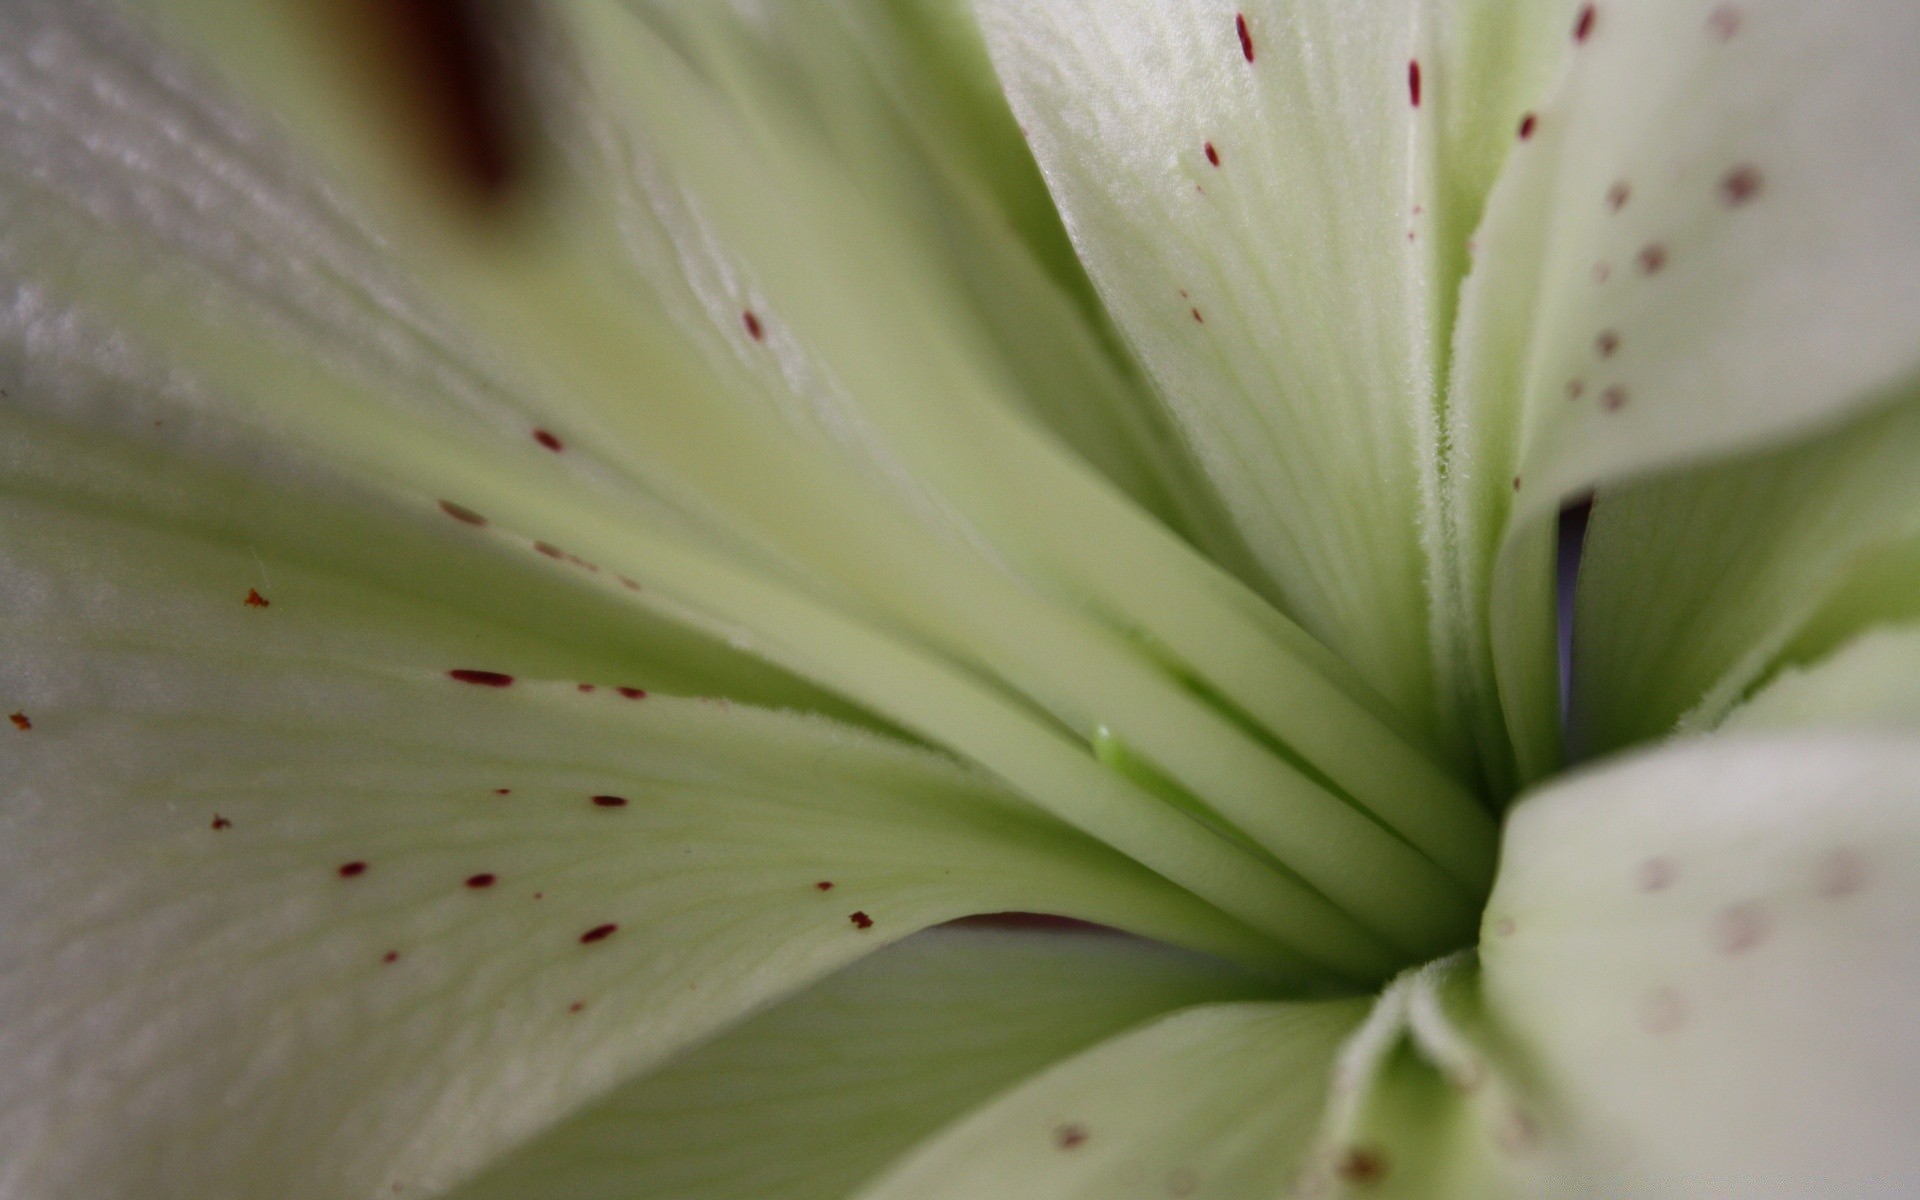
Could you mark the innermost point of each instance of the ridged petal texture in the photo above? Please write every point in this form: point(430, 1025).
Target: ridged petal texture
point(509, 688)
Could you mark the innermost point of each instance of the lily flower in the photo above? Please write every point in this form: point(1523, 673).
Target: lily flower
point(552, 685)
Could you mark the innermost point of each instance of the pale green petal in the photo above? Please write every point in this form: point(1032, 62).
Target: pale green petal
point(927, 422)
point(1696, 978)
point(1277, 226)
point(1871, 682)
point(1707, 960)
point(689, 460)
point(1216, 1101)
point(1696, 587)
point(812, 1097)
point(900, 101)
point(200, 995)
point(1706, 245)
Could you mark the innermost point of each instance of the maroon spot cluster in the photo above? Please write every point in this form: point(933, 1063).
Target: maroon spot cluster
point(860, 920)
point(255, 599)
point(21, 720)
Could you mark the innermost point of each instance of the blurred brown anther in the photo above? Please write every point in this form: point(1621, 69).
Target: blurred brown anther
point(446, 69)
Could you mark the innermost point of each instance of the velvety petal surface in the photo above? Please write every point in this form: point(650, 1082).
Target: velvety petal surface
point(810, 1098)
point(308, 894)
point(1220, 1100)
point(1702, 245)
point(1870, 682)
point(1705, 959)
point(1274, 200)
point(1764, 562)
point(830, 501)
point(1693, 980)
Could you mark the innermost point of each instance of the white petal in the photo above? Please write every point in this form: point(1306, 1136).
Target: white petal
point(812, 1097)
point(1697, 586)
point(1707, 959)
point(197, 975)
point(1871, 682)
point(1274, 200)
point(1220, 1100)
point(1708, 244)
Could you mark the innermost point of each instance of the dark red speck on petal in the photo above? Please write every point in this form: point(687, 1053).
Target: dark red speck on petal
point(220, 822)
point(1197, 318)
point(1653, 256)
point(546, 439)
point(599, 933)
point(390, 956)
point(1361, 1165)
point(503, 791)
point(484, 879)
point(860, 920)
point(1617, 196)
point(1606, 343)
point(1213, 156)
point(550, 550)
point(1413, 81)
point(576, 1006)
point(752, 322)
point(632, 693)
point(1614, 398)
point(610, 801)
point(584, 687)
point(1724, 21)
point(1740, 185)
point(20, 720)
point(1527, 126)
point(1246, 39)
point(461, 512)
point(483, 678)
point(825, 885)
point(255, 599)
point(1070, 1135)
point(1583, 24)
point(352, 869)
point(629, 584)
